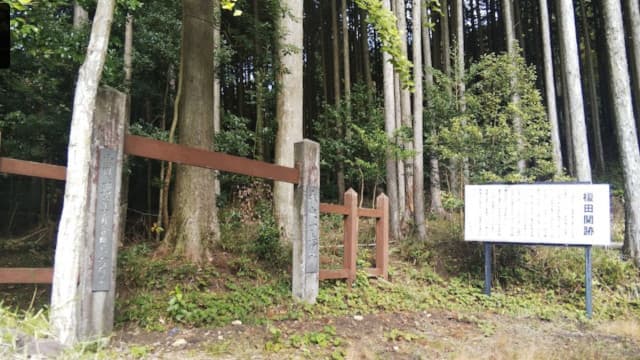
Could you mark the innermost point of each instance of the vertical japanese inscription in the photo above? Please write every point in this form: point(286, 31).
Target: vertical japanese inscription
point(311, 228)
point(105, 202)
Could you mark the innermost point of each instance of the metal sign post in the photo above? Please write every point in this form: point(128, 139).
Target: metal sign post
point(569, 215)
point(587, 271)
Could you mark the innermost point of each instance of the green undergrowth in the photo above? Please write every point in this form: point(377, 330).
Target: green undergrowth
point(557, 293)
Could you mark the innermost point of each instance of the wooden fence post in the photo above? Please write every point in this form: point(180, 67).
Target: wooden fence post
point(350, 234)
point(382, 235)
point(306, 237)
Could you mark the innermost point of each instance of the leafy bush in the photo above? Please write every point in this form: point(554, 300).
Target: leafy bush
point(484, 134)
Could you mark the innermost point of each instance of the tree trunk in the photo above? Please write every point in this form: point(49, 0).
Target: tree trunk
point(593, 94)
point(552, 112)
point(418, 133)
point(364, 42)
point(515, 96)
point(571, 69)
point(625, 125)
point(406, 113)
point(337, 93)
point(434, 175)
point(66, 292)
point(402, 204)
point(633, 9)
point(390, 126)
point(80, 16)
point(335, 52)
point(128, 73)
point(288, 109)
point(217, 106)
point(259, 91)
point(346, 66)
point(194, 224)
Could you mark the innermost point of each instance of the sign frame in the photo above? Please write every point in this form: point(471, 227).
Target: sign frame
point(588, 204)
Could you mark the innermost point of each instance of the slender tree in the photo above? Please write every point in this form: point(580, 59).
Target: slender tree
point(594, 109)
point(571, 69)
point(434, 163)
point(66, 291)
point(625, 125)
point(633, 9)
point(418, 133)
point(390, 126)
point(515, 96)
point(550, 91)
point(406, 113)
point(337, 95)
point(288, 108)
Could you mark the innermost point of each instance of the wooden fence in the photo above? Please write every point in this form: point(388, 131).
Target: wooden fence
point(86, 284)
point(149, 148)
point(34, 169)
point(352, 213)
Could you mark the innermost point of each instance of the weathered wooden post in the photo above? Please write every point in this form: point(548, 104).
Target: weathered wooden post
point(382, 235)
point(85, 288)
point(350, 234)
point(306, 248)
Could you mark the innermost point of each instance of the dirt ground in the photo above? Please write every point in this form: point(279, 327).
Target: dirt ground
point(424, 335)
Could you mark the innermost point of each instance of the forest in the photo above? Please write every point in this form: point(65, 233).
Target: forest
point(410, 98)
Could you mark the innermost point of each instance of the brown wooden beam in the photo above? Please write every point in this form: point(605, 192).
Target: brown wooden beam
point(161, 150)
point(333, 209)
point(30, 168)
point(374, 213)
point(334, 274)
point(26, 275)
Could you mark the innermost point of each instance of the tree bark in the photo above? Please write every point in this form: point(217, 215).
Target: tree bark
point(406, 114)
point(633, 9)
point(364, 42)
point(625, 125)
point(549, 83)
point(80, 16)
point(515, 96)
point(66, 292)
point(194, 223)
point(594, 109)
point(434, 164)
point(571, 69)
point(418, 133)
point(217, 106)
point(336, 54)
point(390, 126)
point(337, 95)
point(288, 109)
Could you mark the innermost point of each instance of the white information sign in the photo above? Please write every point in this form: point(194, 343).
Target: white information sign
point(564, 214)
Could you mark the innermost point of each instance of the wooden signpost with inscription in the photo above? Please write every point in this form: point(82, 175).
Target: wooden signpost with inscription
point(538, 214)
point(98, 265)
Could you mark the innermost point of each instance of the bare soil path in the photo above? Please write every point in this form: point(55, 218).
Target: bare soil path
point(422, 335)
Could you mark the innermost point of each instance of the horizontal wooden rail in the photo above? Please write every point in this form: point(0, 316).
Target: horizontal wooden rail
point(342, 210)
point(26, 275)
point(374, 213)
point(162, 150)
point(30, 168)
point(333, 209)
point(334, 274)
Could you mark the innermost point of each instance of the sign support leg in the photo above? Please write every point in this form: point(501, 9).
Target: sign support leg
point(587, 282)
point(487, 268)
